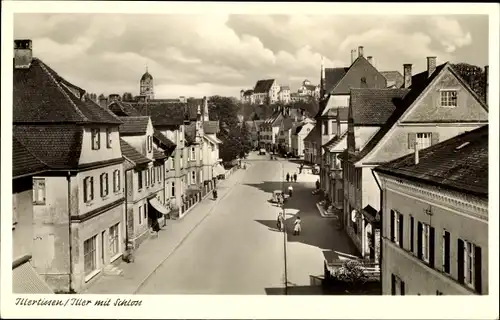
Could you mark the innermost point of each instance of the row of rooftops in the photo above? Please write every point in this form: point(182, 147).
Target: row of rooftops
point(49, 112)
point(263, 86)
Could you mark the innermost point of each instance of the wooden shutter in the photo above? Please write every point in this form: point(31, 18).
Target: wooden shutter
point(101, 179)
point(401, 228)
point(412, 234)
point(402, 284)
point(460, 261)
point(393, 214)
point(434, 138)
point(477, 269)
point(85, 189)
point(446, 252)
point(419, 240)
point(98, 138)
point(107, 183)
point(91, 188)
point(431, 247)
point(393, 284)
point(411, 140)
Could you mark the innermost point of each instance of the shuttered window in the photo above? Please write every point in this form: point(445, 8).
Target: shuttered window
point(431, 247)
point(460, 261)
point(104, 184)
point(88, 189)
point(412, 234)
point(393, 218)
point(446, 251)
point(400, 230)
point(419, 240)
point(470, 265)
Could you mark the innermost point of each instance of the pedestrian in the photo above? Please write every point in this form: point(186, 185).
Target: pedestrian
point(317, 184)
point(214, 193)
point(290, 190)
point(287, 177)
point(280, 221)
point(296, 226)
point(295, 177)
point(300, 168)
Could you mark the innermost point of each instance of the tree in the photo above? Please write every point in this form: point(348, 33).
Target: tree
point(474, 76)
point(127, 96)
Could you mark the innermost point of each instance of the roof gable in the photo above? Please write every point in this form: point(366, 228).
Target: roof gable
point(459, 163)
point(134, 125)
point(131, 154)
point(314, 135)
point(263, 86)
point(123, 109)
point(333, 77)
point(394, 78)
point(163, 114)
point(360, 69)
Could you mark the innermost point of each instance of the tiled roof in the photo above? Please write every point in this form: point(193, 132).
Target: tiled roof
point(314, 135)
point(283, 88)
point(40, 95)
point(333, 77)
point(459, 163)
point(169, 144)
point(337, 142)
point(123, 109)
point(310, 87)
point(420, 81)
point(263, 86)
point(147, 76)
point(211, 127)
point(248, 93)
point(393, 77)
point(163, 114)
point(134, 125)
point(192, 108)
point(56, 145)
point(298, 128)
point(158, 155)
point(375, 106)
point(23, 161)
point(190, 132)
point(131, 154)
point(25, 279)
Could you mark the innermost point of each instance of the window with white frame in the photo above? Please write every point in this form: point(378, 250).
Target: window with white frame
point(104, 184)
point(193, 153)
point(449, 98)
point(424, 140)
point(146, 175)
point(96, 139)
point(39, 191)
point(396, 226)
point(172, 193)
point(108, 138)
point(469, 255)
point(116, 180)
point(114, 243)
point(90, 255)
point(425, 242)
point(193, 177)
point(88, 189)
point(149, 142)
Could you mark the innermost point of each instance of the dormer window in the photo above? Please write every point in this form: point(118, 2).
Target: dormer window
point(96, 140)
point(448, 98)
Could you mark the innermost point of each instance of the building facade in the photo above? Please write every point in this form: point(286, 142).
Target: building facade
point(435, 232)
point(299, 134)
point(146, 86)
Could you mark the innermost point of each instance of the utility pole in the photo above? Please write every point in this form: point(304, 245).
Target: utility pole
point(284, 228)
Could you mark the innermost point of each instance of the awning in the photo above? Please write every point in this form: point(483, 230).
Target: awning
point(218, 170)
point(26, 280)
point(158, 206)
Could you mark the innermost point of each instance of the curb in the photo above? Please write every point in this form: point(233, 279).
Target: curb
point(324, 214)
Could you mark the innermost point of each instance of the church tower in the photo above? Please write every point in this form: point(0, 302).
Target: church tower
point(147, 86)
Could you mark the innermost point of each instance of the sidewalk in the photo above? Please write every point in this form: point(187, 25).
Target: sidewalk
point(154, 251)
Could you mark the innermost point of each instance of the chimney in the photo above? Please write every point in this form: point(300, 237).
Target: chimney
point(360, 51)
point(431, 66)
point(486, 69)
point(416, 153)
point(370, 59)
point(353, 55)
point(103, 102)
point(23, 54)
point(113, 97)
point(407, 74)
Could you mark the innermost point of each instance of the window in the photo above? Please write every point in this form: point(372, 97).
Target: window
point(412, 234)
point(108, 138)
point(38, 191)
point(397, 286)
point(426, 243)
point(469, 264)
point(149, 143)
point(116, 180)
point(160, 171)
point(446, 251)
point(173, 189)
point(96, 139)
point(114, 244)
point(88, 189)
point(146, 176)
point(193, 154)
point(193, 177)
point(424, 140)
point(90, 255)
point(145, 210)
point(104, 184)
point(140, 215)
point(153, 175)
point(448, 98)
point(139, 179)
point(397, 228)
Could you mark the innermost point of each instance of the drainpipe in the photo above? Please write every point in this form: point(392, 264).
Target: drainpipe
point(381, 223)
point(70, 236)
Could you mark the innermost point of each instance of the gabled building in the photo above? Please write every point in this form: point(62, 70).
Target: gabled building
point(308, 89)
point(299, 134)
point(284, 94)
point(254, 126)
point(266, 91)
point(78, 197)
point(285, 134)
point(336, 84)
point(394, 79)
point(435, 233)
point(270, 129)
point(385, 124)
point(311, 146)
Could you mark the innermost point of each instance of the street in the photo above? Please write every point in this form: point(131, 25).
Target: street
point(238, 250)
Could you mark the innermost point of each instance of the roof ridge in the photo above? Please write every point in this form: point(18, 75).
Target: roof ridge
point(44, 68)
point(29, 151)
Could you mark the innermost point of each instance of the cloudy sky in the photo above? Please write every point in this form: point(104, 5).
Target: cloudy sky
point(197, 55)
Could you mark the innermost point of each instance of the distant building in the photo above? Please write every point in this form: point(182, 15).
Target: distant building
point(246, 96)
point(435, 226)
point(284, 94)
point(308, 89)
point(266, 91)
point(147, 85)
point(299, 134)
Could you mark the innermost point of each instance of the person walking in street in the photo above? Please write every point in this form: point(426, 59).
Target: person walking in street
point(290, 190)
point(287, 177)
point(296, 226)
point(281, 221)
point(301, 167)
point(317, 184)
point(214, 194)
point(295, 177)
